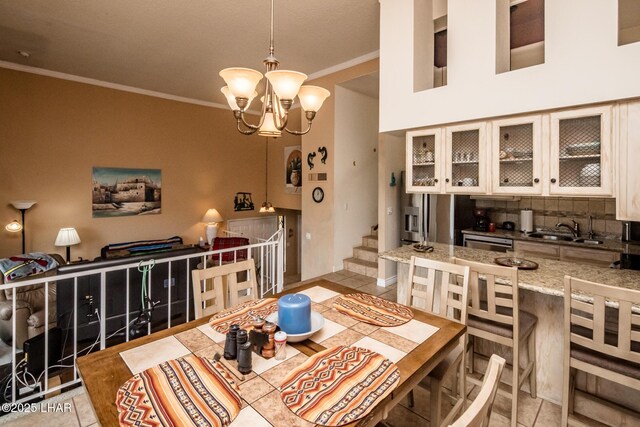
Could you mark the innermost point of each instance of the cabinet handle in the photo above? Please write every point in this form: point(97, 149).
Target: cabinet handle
point(435, 180)
point(536, 180)
point(553, 180)
point(447, 180)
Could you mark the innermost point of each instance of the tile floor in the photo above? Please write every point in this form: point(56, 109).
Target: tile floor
point(532, 412)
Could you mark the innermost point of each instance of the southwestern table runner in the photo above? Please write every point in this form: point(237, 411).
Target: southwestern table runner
point(243, 314)
point(371, 309)
point(339, 385)
point(188, 391)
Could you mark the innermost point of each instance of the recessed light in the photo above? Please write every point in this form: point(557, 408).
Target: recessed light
point(24, 53)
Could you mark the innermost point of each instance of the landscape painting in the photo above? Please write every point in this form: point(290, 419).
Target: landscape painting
point(123, 192)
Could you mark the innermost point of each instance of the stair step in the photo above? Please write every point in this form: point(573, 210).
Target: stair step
point(366, 268)
point(370, 241)
point(366, 253)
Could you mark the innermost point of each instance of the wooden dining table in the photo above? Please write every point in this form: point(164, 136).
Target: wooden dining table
point(105, 371)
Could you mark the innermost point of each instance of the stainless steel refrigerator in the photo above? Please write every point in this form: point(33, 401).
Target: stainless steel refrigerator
point(434, 217)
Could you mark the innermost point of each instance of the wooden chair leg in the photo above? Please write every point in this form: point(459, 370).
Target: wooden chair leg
point(471, 354)
point(411, 398)
point(572, 388)
point(532, 360)
point(566, 393)
point(515, 385)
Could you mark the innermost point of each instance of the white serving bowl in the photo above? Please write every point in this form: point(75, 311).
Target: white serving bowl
point(317, 322)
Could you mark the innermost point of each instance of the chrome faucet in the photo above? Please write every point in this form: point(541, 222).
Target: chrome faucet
point(591, 234)
point(575, 230)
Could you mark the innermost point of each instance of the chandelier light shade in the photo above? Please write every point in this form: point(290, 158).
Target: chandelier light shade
point(212, 217)
point(67, 237)
point(280, 90)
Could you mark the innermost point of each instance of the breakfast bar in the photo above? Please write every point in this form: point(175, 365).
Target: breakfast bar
point(541, 293)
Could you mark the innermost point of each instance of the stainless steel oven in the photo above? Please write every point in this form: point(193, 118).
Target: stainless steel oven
point(488, 243)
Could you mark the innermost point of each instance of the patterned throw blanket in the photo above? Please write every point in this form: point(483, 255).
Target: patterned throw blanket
point(25, 265)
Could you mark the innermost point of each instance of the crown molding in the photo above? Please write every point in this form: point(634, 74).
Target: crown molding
point(339, 67)
point(109, 85)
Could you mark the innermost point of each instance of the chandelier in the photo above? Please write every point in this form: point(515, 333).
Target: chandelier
point(281, 88)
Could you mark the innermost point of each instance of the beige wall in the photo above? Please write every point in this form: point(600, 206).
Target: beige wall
point(317, 220)
point(53, 132)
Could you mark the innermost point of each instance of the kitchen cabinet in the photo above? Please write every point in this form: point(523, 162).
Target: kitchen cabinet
point(517, 155)
point(580, 152)
point(537, 250)
point(581, 255)
point(628, 195)
point(466, 159)
point(424, 161)
point(597, 257)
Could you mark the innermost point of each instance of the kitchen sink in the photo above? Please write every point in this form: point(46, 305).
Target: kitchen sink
point(546, 236)
point(589, 241)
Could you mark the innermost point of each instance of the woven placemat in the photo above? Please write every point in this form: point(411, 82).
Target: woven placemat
point(373, 310)
point(188, 391)
point(243, 314)
point(339, 385)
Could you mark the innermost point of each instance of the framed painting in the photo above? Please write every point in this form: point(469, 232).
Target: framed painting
point(124, 192)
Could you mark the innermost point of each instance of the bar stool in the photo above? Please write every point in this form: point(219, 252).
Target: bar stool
point(612, 353)
point(441, 288)
point(494, 315)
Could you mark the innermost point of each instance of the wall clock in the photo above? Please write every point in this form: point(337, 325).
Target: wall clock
point(318, 194)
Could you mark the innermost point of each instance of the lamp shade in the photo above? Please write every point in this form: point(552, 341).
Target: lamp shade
point(67, 237)
point(268, 127)
point(23, 204)
point(286, 84)
point(231, 100)
point(242, 82)
point(312, 97)
point(212, 216)
point(14, 226)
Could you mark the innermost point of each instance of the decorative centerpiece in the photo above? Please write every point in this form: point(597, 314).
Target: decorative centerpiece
point(294, 313)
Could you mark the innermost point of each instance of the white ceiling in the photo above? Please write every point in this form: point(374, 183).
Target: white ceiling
point(177, 47)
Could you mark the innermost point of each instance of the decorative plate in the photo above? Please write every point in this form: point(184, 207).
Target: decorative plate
point(339, 385)
point(373, 310)
point(188, 391)
point(243, 314)
point(521, 263)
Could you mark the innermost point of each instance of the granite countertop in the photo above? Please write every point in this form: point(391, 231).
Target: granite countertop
point(607, 245)
point(547, 279)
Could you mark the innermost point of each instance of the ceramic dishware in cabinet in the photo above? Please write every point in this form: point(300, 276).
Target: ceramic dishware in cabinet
point(516, 155)
point(465, 161)
point(424, 161)
point(580, 152)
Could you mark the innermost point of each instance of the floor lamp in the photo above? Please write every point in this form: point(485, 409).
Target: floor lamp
point(14, 226)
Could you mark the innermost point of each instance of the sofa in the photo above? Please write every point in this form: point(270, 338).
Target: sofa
point(30, 307)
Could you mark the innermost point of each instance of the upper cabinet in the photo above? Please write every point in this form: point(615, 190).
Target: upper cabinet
point(424, 161)
point(580, 152)
point(517, 155)
point(628, 194)
point(566, 152)
point(466, 159)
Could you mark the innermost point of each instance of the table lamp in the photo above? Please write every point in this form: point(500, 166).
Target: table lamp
point(67, 237)
point(14, 226)
point(212, 218)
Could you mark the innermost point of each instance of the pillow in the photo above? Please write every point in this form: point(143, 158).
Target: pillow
point(230, 242)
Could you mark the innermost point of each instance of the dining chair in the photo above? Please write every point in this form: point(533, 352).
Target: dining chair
point(479, 412)
point(494, 315)
point(441, 288)
point(227, 285)
point(599, 339)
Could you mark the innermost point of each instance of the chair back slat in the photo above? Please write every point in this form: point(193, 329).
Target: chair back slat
point(494, 292)
point(621, 340)
point(443, 291)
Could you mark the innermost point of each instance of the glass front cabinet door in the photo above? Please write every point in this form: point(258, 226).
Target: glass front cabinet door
point(517, 161)
point(580, 152)
point(465, 162)
point(424, 161)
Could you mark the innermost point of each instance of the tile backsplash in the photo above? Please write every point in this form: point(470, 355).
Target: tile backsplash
point(548, 211)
